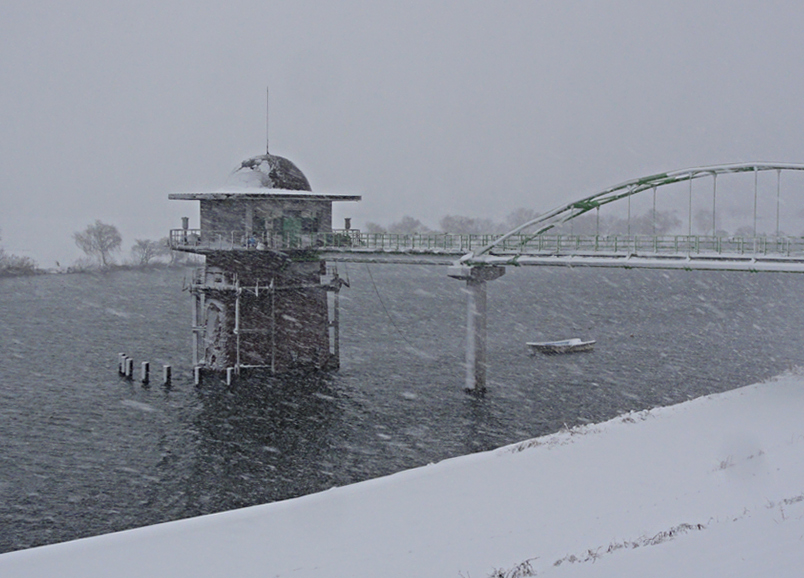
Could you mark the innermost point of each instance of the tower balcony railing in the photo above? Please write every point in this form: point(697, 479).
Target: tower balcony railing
point(351, 240)
point(196, 240)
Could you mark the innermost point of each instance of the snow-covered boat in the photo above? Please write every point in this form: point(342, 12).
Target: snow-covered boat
point(566, 346)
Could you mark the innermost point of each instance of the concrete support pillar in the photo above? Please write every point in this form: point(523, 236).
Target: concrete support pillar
point(476, 317)
point(476, 335)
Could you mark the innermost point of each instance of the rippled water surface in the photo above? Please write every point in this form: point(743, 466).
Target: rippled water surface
point(84, 452)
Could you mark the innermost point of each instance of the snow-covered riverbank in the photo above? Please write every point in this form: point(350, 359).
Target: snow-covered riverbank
point(711, 487)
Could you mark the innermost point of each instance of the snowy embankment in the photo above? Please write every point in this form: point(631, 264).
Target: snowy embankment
point(711, 487)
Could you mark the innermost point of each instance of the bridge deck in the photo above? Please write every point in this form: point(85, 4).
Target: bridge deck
point(629, 251)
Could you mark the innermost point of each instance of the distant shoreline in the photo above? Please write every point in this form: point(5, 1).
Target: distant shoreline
point(11, 273)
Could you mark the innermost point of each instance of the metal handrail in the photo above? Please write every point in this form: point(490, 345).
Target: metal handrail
point(625, 190)
point(196, 240)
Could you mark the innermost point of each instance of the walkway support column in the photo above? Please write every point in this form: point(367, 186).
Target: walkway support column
point(476, 279)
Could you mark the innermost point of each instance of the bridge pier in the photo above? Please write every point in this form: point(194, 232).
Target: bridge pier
point(476, 361)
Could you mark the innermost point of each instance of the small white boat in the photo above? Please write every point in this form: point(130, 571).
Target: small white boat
point(566, 346)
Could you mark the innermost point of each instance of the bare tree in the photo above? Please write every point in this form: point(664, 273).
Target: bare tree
point(745, 231)
point(408, 225)
point(100, 241)
point(372, 227)
point(648, 223)
point(15, 265)
point(175, 257)
point(146, 250)
point(519, 217)
point(461, 225)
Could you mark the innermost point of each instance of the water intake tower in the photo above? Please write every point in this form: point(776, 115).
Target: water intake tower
point(261, 298)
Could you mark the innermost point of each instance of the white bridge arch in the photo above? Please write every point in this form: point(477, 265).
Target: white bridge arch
point(756, 253)
point(530, 243)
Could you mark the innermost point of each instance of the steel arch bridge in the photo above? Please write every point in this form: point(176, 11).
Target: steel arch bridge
point(520, 247)
point(543, 241)
point(532, 244)
point(546, 240)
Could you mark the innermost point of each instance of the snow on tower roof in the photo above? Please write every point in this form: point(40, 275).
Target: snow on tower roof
point(265, 176)
point(258, 193)
point(270, 172)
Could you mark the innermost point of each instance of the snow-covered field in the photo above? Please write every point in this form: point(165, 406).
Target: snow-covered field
point(711, 487)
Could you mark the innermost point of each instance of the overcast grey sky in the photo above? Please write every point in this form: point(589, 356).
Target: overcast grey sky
point(424, 108)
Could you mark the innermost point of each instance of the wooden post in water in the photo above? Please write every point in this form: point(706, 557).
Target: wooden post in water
point(236, 332)
point(476, 278)
point(196, 300)
point(129, 367)
point(229, 375)
point(121, 363)
point(166, 375)
point(273, 326)
point(145, 373)
point(197, 375)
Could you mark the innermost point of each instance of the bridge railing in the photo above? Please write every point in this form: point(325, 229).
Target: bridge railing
point(195, 240)
point(200, 241)
point(622, 193)
point(650, 244)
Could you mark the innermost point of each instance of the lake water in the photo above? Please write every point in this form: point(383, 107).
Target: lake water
point(84, 452)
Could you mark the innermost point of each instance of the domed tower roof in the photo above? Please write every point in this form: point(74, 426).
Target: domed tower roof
point(269, 172)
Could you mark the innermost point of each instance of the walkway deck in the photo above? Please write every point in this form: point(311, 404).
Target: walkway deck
point(784, 254)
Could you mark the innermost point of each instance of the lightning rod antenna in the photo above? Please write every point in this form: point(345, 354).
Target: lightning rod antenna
point(267, 102)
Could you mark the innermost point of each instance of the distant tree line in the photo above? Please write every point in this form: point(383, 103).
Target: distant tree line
point(590, 223)
point(457, 224)
point(587, 224)
point(101, 242)
point(647, 223)
point(13, 265)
